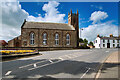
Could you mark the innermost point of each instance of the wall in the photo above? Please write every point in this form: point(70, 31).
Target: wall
point(50, 37)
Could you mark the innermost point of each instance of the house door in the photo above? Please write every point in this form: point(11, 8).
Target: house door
point(17, 44)
point(108, 45)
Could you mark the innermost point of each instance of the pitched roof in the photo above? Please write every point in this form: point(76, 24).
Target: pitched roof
point(113, 38)
point(3, 42)
point(44, 25)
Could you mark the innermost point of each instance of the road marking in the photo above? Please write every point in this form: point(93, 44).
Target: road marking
point(61, 58)
point(35, 65)
point(85, 73)
point(51, 61)
point(68, 56)
point(43, 65)
point(8, 73)
point(107, 51)
point(32, 64)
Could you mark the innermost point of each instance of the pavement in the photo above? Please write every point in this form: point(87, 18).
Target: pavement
point(110, 68)
point(61, 64)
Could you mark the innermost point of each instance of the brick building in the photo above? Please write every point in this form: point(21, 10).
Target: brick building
point(49, 35)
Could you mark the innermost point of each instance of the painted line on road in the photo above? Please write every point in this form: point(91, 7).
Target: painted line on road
point(107, 51)
point(43, 65)
point(32, 64)
point(51, 61)
point(68, 56)
point(61, 58)
point(8, 73)
point(35, 65)
point(85, 73)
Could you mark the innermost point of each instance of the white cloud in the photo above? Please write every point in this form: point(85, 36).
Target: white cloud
point(97, 16)
point(103, 29)
point(13, 15)
point(97, 7)
point(52, 14)
point(11, 19)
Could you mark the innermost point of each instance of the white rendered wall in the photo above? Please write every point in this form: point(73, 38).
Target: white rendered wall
point(100, 41)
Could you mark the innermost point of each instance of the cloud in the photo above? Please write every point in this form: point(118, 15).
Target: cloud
point(103, 29)
point(52, 14)
point(97, 7)
point(13, 15)
point(97, 16)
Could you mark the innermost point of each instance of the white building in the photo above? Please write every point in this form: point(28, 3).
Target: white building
point(107, 42)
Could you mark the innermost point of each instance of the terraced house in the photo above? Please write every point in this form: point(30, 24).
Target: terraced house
point(107, 42)
point(49, 35)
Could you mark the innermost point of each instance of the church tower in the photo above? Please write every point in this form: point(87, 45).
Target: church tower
point(73, 19)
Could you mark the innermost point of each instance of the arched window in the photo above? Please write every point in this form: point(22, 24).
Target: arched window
point(56, 39)
point(67, 39)
point(32, 35)
point(44, 39)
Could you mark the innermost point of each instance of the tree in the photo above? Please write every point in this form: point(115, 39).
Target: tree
point(91, 43)
point(80, 40)
point(85, 41)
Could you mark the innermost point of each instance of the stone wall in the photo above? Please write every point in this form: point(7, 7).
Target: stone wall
point(50, 37)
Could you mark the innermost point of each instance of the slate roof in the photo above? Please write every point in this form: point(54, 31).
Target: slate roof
point(45, 25)
point(112, 38)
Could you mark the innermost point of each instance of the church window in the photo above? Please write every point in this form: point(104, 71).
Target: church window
point(67, 39)
point(44, 39)
point(56, 39)
point(32, 35)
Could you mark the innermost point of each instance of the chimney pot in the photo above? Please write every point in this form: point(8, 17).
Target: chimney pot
point(111, 35)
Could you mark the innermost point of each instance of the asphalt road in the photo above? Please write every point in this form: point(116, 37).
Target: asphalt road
point(78, 64)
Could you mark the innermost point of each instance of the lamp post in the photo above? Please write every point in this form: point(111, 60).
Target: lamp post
point(81, 32)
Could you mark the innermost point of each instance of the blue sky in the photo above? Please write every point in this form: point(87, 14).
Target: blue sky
point(85, 10)
point(94, 17)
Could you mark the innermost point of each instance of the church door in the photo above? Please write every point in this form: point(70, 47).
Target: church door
point(17, 44)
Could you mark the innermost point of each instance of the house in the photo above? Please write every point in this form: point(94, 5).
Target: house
point(3, 43)
point(49, 35)
point(107, 42)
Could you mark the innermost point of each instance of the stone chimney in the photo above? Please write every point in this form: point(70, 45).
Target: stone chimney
point(98, 35)
point(119, 36)
point(111, 35)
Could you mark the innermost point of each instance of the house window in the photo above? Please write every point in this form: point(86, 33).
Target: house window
point(99, 45)
point(56, 39)
point(67, 39)
point(108, 41)
point(32, 36)
point(103, 41)
point(113, 45)
point(25, 43)
point(113, 41)
point(96, 41)
point(117, 41)
point(44, 39)
point(117, 45)
point(103, 45)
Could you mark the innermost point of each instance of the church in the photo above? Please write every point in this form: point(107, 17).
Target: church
point(48, 35)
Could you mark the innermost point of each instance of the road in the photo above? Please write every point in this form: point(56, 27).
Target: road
point(80, 64)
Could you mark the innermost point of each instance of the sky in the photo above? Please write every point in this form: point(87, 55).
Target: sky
point(94, 17)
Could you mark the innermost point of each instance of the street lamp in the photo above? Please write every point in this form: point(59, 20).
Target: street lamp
point(81, 31)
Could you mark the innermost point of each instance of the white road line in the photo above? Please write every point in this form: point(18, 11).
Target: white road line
point(107, 51)
point(32, 64)
point(67, 56)
point(35, 65)
point(61, 58)
point(85, 73)
point(8, 73)
point(43, 65)
point(51, 61)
